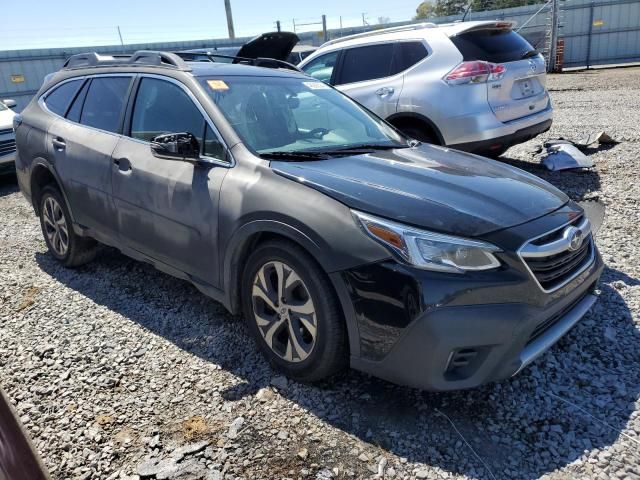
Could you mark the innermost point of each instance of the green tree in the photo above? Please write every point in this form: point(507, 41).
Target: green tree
point(450, 7)
point(424, 10)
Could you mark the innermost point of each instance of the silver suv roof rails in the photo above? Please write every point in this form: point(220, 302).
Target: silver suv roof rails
point(141, 58)
point(382, 31)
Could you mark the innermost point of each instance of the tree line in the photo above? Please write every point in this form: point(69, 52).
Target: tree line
point(442, 8)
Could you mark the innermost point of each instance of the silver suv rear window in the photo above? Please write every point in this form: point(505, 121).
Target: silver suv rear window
point(492, 45)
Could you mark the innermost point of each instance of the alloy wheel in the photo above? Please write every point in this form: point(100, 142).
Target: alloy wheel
point(55, 226)
point(284, 311)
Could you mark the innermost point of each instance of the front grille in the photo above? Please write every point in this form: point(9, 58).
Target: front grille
point(551, 321)
point(555, 269)
point(7, 146)
point(6, 131)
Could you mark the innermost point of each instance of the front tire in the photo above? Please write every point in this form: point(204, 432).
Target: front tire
point(64, 245)
point(293, 313)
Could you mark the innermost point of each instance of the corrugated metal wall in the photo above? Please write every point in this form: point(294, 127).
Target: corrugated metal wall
point(595, 33)
point(601, 32)
point(22, 71)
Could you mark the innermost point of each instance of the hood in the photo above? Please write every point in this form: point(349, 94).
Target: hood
point(276, 45)
point(6, 118)
point(431, 187)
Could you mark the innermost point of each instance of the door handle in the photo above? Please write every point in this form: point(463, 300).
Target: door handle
point(58, 144)
point(385, 91)
point(124, 165)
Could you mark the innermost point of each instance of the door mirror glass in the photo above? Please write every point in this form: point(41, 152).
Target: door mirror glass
point(176, 146)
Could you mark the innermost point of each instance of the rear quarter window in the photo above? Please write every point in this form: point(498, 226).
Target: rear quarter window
point(59, 99)
point(496, 46)
point(407, 55)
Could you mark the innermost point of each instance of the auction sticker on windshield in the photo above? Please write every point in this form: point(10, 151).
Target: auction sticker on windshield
point(316, 85)
point(217, 85)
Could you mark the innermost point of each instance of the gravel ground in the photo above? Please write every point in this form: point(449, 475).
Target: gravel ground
point(120, 371)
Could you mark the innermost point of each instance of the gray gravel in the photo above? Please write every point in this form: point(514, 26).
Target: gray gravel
point(120, 371)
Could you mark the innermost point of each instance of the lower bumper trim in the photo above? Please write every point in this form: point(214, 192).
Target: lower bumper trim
point(556, 332)
point(497, 145)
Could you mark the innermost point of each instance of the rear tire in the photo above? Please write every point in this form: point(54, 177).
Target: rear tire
point(421, 134)
point(65, 246)
point(293, 313)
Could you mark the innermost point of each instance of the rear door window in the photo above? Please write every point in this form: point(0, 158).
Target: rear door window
point(407, 55)
point(104, 103)
point(366, 63)
point(58, 100)
point(496, 46)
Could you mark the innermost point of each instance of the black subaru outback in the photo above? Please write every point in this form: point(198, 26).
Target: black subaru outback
point(337, 238)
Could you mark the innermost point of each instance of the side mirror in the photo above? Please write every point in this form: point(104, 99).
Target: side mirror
point(9, 103)
point(176, 146)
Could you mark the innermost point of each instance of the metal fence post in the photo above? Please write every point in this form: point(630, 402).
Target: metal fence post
point(590, 35)
point(555, 6)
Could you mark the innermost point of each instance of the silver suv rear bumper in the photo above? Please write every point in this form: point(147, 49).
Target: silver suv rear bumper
point(485, 127)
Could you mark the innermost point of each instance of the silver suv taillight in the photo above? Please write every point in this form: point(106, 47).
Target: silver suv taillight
point(475, 72)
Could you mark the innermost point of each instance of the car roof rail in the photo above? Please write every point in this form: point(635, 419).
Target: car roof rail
point(256, 62)
point(382, 31)
point(140, 58)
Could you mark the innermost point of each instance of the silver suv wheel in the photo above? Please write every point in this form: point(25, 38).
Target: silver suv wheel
point(55, 226)
point(284, 311)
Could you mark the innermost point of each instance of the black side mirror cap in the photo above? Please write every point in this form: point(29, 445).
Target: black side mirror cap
point(176, 146)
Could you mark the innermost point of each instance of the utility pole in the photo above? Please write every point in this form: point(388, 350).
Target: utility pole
point(324, 28)
point(278, 25)
point(227, 7)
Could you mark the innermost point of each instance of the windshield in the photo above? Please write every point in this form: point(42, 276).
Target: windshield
point(276, 114)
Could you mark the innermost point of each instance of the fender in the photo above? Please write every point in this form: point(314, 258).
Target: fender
point(231, 272)
point(421, 118)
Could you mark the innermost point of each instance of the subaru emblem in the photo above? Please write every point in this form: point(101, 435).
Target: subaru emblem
point(575, 238)
point(532, 66)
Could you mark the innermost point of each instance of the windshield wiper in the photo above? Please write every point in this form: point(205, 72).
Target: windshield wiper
point(529, 54)
point(366, 146)
point(295, 155)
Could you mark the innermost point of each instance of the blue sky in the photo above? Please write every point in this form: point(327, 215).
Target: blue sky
point(64, 23)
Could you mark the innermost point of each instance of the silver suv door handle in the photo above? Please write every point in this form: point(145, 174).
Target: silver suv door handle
point(385, 91)
point(58, 144)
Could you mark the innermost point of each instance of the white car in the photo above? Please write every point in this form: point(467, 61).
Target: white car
point(7, 136)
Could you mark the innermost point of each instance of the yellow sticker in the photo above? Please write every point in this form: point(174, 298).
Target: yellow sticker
point(598, 23)
point(217, 85)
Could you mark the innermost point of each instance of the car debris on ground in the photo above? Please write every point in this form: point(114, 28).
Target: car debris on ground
point(565, 154)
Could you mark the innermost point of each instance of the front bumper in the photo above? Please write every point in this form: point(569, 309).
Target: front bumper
point(439, 332)
point(7, 163)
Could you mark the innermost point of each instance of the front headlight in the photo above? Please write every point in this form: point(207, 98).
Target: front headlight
point(430, 250)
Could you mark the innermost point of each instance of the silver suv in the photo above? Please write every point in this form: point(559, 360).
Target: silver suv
point(474, 86)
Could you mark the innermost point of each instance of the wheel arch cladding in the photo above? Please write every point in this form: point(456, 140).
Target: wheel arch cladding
point(244, 242)
point(405, 119)
point(41, 176)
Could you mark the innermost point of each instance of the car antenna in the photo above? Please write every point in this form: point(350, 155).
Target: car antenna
point(466, 11)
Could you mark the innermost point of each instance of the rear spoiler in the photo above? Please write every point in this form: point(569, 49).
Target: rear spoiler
point(466, 27)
